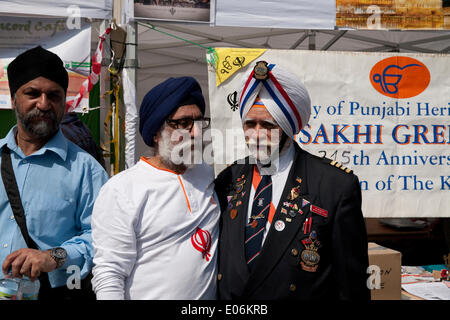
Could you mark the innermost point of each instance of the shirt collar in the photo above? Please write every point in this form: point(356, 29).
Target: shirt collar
point(280, 164)
point(57, 144)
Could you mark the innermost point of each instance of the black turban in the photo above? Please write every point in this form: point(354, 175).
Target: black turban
point(163, 100)
point(34, 63)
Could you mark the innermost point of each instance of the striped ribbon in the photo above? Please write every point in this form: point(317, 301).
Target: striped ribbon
point(93, 77)
point(278, 94)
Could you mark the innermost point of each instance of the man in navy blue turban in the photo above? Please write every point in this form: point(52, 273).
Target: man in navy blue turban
point(155, 226)
point(165, 98)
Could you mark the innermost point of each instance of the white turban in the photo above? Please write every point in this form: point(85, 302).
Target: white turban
point(283, 94)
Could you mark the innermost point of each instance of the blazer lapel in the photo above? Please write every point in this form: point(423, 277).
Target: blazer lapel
point(277, 242)
point(237, 213)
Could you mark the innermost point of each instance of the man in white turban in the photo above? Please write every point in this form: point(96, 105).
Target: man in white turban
point(292, 226)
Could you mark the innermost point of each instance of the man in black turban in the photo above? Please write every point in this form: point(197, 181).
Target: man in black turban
point(38, 84)
point(49, 184)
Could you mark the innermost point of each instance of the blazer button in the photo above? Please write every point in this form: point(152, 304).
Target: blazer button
point(294, 252)
point(219, 276)
point(292, 288)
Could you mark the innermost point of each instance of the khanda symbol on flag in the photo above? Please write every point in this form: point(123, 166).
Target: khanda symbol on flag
point(201, 240)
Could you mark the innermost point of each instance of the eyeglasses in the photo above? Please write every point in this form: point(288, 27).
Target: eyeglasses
point(188, 123)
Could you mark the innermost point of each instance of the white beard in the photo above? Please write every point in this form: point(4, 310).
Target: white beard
point(183, 153)
point(266, 153)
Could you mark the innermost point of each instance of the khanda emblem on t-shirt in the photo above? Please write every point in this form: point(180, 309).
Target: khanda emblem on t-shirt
point(201, 240)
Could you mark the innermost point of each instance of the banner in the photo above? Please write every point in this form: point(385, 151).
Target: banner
point(383, 115)
point(95, 9)
point(173, 10)
point(300, 14)
point(73, 46)
point(393, 14)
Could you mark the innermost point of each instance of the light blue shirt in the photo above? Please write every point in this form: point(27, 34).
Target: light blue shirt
point(58, 185)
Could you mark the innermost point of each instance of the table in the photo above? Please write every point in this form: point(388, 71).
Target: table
point(376, 231)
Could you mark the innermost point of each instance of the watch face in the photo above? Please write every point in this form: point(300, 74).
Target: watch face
point(59, 253)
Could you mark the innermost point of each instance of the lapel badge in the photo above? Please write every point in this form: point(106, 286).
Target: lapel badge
point(299, 180)
point(286, 204)
point(261, 70)
point(279, 225)
point(239, 186)
point(238, 203)
point(319, 211)
point(260, 202)
point(229, 198)
point(254, 224)
point(304, 203)
point(295, 207)
point(310, 257)
point(283, 210)
point(295, 192)
point(292, 213)
point(243, 194)
point(288, 219)
point(233, 214)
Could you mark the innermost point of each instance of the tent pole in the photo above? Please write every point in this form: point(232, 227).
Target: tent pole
point(129, 81)
point(312, 40)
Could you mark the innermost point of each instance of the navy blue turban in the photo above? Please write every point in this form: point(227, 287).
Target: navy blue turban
point(163, 100)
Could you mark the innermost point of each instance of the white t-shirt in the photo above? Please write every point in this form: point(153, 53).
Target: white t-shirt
point(155, 235)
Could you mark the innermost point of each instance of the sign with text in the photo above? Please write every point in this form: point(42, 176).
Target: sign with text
point(72, 45)
point(385, 116)
point(393, 14)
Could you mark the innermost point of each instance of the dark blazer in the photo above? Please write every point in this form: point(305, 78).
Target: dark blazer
point(285, 268)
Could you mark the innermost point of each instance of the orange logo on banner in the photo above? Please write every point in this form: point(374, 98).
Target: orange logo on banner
point(400, 77)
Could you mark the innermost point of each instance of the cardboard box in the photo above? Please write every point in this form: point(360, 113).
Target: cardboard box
point(385, 267)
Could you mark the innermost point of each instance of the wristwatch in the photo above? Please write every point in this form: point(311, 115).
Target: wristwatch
point(59, 255)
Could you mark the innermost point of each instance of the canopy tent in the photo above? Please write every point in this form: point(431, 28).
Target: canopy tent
point(93, 11)
point(161, 56)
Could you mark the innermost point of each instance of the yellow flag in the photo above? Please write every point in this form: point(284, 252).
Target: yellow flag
point(231, 60)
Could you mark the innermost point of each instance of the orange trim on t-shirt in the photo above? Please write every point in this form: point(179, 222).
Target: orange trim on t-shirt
point(255, 182)
point(156, 167)
point(179, 179)
point(185, 195)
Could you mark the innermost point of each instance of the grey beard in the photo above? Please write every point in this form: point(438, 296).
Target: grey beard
point(42, 129)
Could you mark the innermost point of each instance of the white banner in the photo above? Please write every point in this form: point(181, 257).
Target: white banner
point(385, 116)
point(73, 46)
point(300, 14)
point(96, 9)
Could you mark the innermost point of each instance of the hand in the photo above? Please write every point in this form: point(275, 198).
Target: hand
point(29, 262)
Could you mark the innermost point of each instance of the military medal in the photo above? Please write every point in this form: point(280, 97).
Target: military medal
point(233, 213)
point(294, 193)
point(309, 257)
